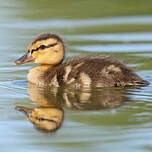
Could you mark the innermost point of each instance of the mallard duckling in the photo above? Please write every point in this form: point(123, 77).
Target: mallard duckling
point(47, 119)
point(79, 72)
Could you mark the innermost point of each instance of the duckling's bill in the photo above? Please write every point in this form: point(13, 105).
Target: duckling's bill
point(25, 110)
point(27, 57)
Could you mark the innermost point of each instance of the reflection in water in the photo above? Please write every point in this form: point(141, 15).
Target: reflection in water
point(47, 119)
point(48, 115)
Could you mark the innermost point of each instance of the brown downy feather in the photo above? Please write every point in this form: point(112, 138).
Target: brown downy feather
point(102, 71)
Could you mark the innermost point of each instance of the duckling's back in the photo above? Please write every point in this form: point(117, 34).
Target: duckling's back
point(94, 71)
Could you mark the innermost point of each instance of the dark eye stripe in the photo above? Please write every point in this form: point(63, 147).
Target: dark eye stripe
point(43, 119)
point(51, 45)
point(42, 47)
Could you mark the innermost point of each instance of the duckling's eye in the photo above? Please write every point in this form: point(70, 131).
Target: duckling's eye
point(41, 119)
point(42, 47)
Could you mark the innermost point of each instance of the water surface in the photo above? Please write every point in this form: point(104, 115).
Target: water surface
point(119, 28)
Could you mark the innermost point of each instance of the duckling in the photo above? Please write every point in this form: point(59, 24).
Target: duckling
point(79, 72)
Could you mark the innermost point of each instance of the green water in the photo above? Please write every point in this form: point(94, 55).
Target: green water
point(116, 120)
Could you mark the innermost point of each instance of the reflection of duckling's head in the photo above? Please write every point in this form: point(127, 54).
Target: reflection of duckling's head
point(47, 119)
point(45, 49)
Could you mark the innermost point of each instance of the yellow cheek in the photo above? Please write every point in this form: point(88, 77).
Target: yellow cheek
point(35, 54)
point(39, 56)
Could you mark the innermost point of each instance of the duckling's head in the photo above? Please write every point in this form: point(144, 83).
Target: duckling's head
point(45, 49)
point(46, 119)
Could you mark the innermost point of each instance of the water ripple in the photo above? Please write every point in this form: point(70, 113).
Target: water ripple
point(77, 23)
point(115, 48)
point(115, 37)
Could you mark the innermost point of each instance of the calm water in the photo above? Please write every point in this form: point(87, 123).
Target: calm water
point(98, 120)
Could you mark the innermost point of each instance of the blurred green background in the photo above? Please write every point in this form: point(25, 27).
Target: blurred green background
point(120, 28)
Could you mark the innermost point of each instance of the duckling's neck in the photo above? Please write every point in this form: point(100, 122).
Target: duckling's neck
point(35, 74)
